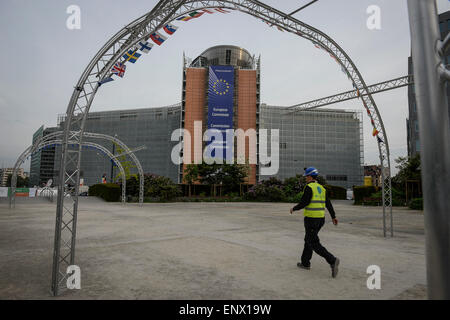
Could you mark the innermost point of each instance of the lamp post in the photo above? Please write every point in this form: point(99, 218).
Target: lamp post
point(430, 77)
point(112, 163)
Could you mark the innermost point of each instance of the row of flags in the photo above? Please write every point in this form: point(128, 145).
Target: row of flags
point(133, 55)
point(158, 38)
point(199, 13)
point(375, 131)
point(271, 25)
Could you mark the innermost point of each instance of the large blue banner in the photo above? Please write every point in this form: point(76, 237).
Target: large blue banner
point(220, 106)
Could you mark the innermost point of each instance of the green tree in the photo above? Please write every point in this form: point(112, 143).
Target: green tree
point(409, 169)
point(126, 164)
point(160, 187)
point(228, 175)
point(232, 175)
point(191, 175)
point(21, 182)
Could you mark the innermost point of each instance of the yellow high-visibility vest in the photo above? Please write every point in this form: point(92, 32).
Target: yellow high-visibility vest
point(316, 208)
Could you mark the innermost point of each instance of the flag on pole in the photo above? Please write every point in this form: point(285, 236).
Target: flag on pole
point(375, 132)
point(207, 11)
point(184, 18)
point(170, 28)
point(196, 14)
point(119, 69)
point(380, 140)
point(158, 38)
point(222, 10)
point(109, 79)
point(145, 46)
point(281, 29)
point(131, 56)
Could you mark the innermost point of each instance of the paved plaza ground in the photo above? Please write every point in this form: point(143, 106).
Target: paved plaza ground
point(210, 251)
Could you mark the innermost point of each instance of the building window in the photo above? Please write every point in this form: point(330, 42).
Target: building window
point(128, 116)
point(441, 27)
point(417, 145)
point(228, 57)
point(448, 24)
point(336, 178)
point(283, 145)
point(416, 125)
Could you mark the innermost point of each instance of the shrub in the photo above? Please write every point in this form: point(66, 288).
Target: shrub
point(416, 204)
point(160, 187)
point(361, 192)
point(268, 190)
point(294, 185)
point(336, 192)
point(398, 198)
point(296, 198)
point(109, 192)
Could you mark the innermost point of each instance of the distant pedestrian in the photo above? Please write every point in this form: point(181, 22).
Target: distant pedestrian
point(314, 201)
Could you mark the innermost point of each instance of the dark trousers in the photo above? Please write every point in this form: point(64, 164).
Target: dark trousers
point(312, 242)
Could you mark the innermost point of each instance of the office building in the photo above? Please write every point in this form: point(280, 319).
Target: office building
point(6, 172)
point(412, 122)
point(221, 88)
point(330, 140)
point(43, 160)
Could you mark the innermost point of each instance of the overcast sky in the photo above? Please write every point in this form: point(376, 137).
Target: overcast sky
point(43, 60)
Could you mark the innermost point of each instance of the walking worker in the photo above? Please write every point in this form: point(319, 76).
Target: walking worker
point(314, 201)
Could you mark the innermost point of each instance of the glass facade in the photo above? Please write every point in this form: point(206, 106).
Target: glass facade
point(412, 127)
point(150, 128)
point(35, 166)
point(224, 55)
point(330, 140)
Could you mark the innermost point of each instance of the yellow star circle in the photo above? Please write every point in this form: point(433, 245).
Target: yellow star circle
point(221, 87)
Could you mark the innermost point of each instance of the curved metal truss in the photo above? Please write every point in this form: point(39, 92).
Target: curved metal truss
point(47, 143)
point(100, 67)
point(36, 146)
point(353, 94)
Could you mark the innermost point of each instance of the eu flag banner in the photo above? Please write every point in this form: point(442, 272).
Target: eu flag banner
point(220, 106)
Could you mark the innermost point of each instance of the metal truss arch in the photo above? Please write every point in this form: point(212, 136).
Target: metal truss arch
point(54, 135)
point(45, 143)
point(127, 151)
point(100, 67)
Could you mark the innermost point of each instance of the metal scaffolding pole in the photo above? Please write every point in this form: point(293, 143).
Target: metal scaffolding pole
point(353, 94)
point(430, 76)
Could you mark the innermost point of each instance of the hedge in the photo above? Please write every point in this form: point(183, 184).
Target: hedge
point(108, 191)
point(361, 192)
point(416, 204)
point(336, 192)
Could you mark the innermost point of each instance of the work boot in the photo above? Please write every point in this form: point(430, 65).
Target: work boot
point(301, 266)
point(334, 268)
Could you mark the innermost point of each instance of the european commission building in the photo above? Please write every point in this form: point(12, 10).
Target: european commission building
point(330, 140)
